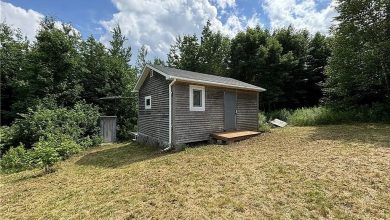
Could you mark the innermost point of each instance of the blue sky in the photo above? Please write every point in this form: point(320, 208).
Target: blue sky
point(156, 23)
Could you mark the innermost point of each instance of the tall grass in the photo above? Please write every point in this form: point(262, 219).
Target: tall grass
point(264, 126)
point(326, 115)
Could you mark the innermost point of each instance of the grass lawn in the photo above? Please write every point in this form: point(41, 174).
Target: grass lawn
point(338, 172)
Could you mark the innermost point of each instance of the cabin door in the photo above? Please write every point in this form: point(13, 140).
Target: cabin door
point(230, 106)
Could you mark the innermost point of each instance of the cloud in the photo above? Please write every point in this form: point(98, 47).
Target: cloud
point(226, 3)
point(300, 14)
point(157, 23)
point(26, 20)
point(254, 21)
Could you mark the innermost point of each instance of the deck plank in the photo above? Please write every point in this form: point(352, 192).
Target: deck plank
point(230, 136)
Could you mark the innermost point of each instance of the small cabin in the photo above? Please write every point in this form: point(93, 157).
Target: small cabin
point(180, 107)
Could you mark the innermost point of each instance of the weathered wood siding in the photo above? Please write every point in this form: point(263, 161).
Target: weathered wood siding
point(154, 122)
point(191, 126)
point(247, 109)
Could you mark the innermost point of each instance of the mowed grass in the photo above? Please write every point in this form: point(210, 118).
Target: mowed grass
point(324, 172)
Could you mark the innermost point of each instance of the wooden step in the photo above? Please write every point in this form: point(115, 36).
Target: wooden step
point(231, 136)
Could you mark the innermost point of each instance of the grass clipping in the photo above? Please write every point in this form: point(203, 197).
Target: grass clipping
point(337, 172)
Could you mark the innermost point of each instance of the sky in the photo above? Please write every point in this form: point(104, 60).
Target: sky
point(156, 23)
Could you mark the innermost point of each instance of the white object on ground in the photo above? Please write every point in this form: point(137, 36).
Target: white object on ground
point(278, 123)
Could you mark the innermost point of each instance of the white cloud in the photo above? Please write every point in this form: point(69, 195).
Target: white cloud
point(254, 21)
point(226, 3)
point(26, 20)
point(157, 23)
point(300, 14)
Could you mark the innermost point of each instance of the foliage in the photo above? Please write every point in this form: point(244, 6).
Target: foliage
point(16, 159)
point(141, 59)
point(328, 115)
point(282, 114)
point(359, 68)
point(289, 63)
point(5, 138)
point(59, 65)
point(64, 145)
point(44, 156)
point(264, 126)
point(13, 56)
point(80, 123)
point(210, 55)
point(47, 151)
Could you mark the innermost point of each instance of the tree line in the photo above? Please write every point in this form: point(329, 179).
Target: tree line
point(289, 63)
point(349, 68)
point(61, 67)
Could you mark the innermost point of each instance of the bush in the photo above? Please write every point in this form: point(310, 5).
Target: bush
point(264, 126)
point(44, 157)
point(51, 133)
point(62, 144)
point(5, 139)
point(80, 123)
point(282, 114)
point(15, 160)
point(47, 151)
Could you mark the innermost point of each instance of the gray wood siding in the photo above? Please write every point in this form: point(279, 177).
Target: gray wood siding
point(247, 109)
point(191, 126)
point(154, 122)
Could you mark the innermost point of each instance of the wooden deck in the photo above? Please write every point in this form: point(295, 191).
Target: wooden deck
point(231, 136)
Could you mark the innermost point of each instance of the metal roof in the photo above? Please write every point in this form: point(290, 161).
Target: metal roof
point(195, 77)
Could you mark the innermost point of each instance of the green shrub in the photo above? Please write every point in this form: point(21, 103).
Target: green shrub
point(5, 139)
point(15, 160)
point(80, 123)
point(62, 144)
point(264, 126)
point(44, 157)
point(47, 151)
point(282, 114)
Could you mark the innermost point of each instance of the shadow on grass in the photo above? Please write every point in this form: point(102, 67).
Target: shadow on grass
point(119, 156)
point(375, 134)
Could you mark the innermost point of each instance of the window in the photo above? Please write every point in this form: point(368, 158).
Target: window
point(151, 73)
point(148, 102)
point(197, 98)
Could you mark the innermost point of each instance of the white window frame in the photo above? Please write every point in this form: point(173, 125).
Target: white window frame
point(148, 98)
point(203, 101)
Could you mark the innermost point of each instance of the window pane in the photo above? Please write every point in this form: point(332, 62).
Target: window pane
point(147, 101)
point(197, 98)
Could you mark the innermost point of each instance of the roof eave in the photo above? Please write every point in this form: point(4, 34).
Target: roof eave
point(144, 74)
point(259, 89)
point(142, 78)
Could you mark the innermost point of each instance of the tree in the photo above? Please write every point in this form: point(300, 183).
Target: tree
point(141, 59)
point(13, 56)
point(211, 55)
point(122, 78)
point(359, 68)
point(214, 52)
point(53, 67)
point(96, 75)
point(319, 52)
point(246, 48)
point(295, 51)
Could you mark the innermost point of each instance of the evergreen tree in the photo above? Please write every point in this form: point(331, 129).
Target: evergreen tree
point(141, 59)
